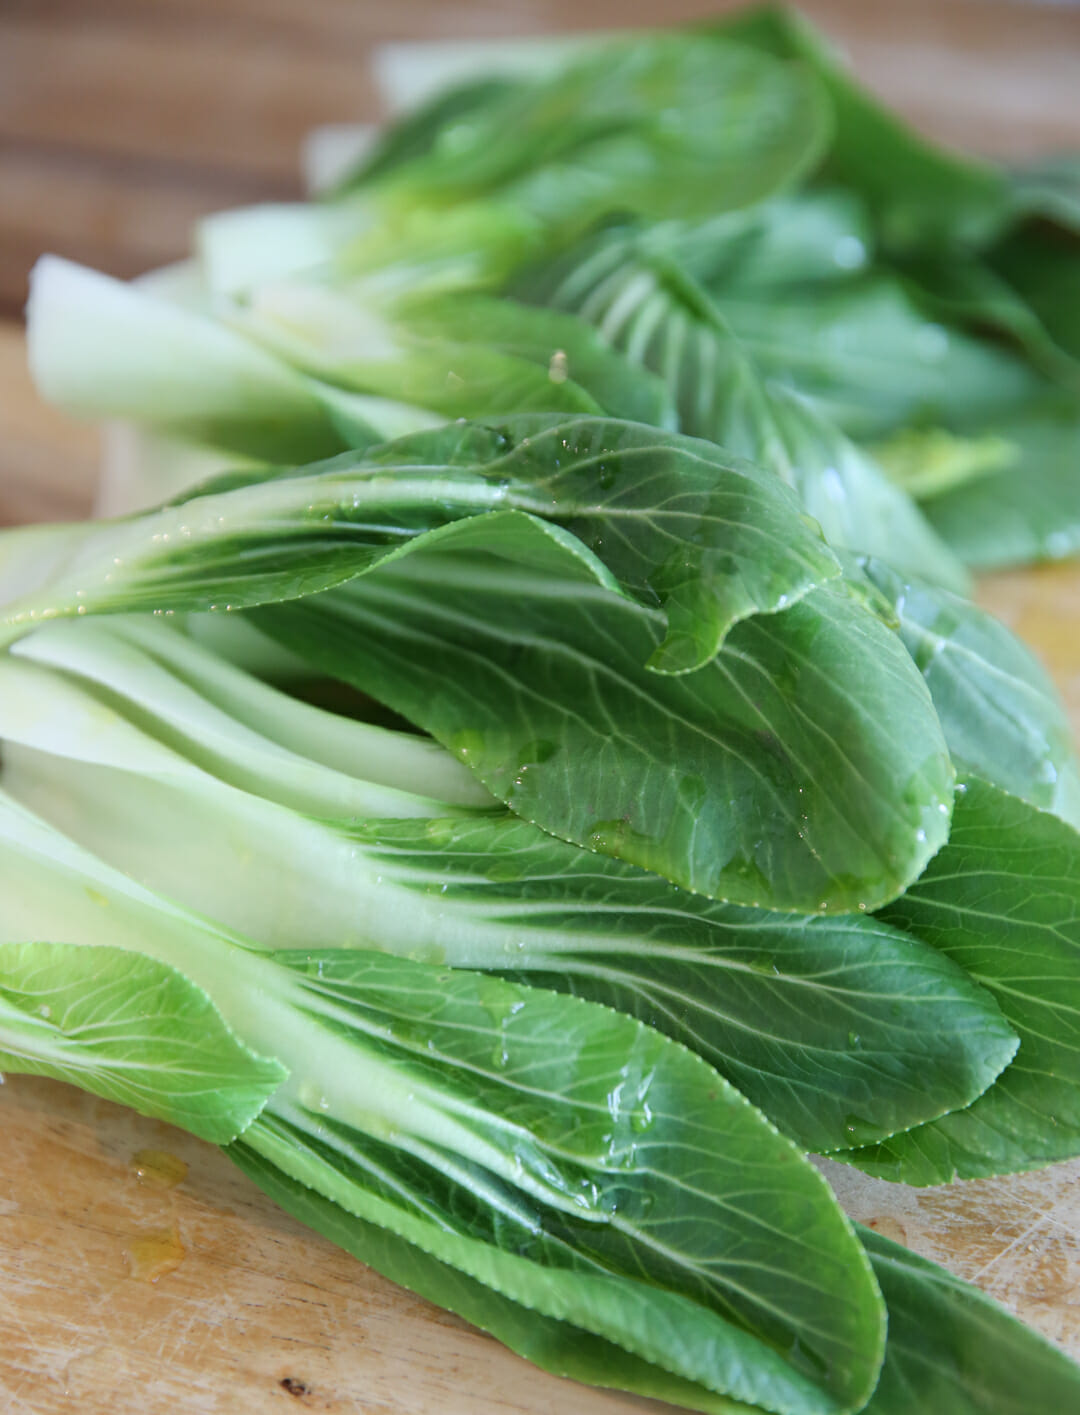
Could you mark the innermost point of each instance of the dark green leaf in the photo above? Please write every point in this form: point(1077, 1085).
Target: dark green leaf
point(1003, 901)
point(585, 1167)
point(921, 196)
point(677, 523)
point(1050, 188)
point(801, 768)
point(999, 708)
point(554, 1345)
point(967, 289)
point(1043, 267)
point(826, 1025)
point(654, 310)
point(954, 1351)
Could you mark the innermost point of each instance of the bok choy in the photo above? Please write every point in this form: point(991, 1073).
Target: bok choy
point(621, 434)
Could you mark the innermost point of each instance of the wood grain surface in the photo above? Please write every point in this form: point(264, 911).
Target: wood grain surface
point(120, 122)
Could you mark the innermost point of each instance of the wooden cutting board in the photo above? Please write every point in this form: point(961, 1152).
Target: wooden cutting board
point(140, 1274)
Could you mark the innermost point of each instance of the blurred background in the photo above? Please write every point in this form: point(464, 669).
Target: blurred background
point(122, 121)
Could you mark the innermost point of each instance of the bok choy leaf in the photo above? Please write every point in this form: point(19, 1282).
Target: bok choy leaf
point(799, 769)
point(557, 1152)
point(954, 1351)
point(802, 764)
point(650, 304)
point(824, 1024)
point(1002, 716)
point(131, 1029)
point(1001, 900)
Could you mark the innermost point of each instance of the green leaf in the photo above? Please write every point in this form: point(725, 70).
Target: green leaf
point(951, 1350)
point(333, 336)
point(856, 505)
point(667, 126)
point(587, 1168)
point(673, 125)
point(999, 708)
point(801, 768)
point(927, 461)
point(709, 538)
point(653, 309)
point(809, 238)
point(135, 694)
point(565, 347)
point(954, 1351)
point(832, 818)
point(824, 1024)
point(1030, 511)
point(559, 1152)
point(838, 1029)
point(921, 196)
point(968, 289)
point(1003, 901)
point(132, 1030)
point(1043, 267)
point(425, 129)
point(1049, 188)
point(869, 359)
point(556, 1346)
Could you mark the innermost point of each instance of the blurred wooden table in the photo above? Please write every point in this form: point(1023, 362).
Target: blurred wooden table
point(120, 123)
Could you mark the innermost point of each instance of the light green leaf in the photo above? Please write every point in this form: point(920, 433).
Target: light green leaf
point(132, 1030)
point(459, 355)
point(103, 349)
point(869, 359)
point(812, 237)
point(927, 461)
point(669, 126)
point(157, 704)
point(565, 347)
point(421, 130)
